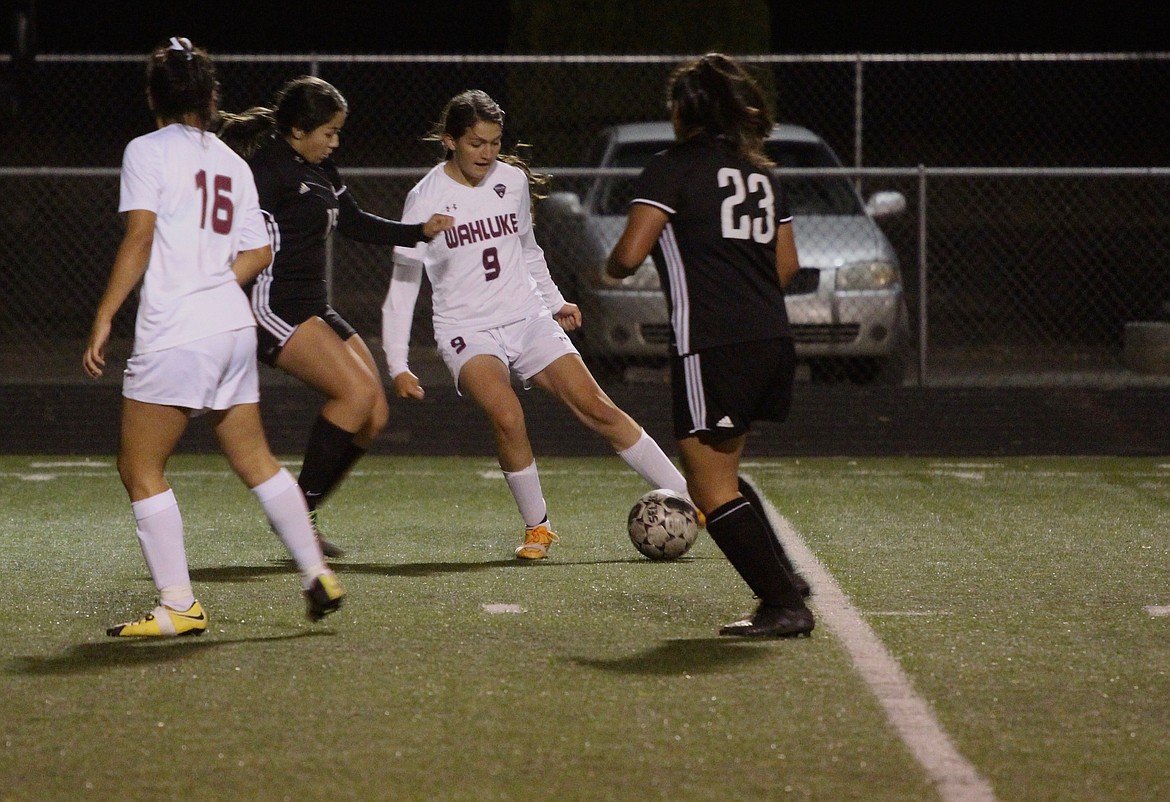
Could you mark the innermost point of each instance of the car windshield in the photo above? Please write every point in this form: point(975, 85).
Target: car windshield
point(812, 195)
point(807, 195)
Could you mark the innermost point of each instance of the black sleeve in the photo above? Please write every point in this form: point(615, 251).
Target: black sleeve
point(268, 183)
point(361, 226)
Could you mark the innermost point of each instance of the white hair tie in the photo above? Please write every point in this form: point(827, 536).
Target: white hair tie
point(181, 43)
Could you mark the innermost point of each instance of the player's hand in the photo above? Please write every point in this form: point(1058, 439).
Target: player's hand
point(406, 386)
point(569, 316)
point(94, 358)
point(437, 223)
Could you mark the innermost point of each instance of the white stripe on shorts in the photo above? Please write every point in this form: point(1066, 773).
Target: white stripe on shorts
point(696, 400)
point(262, 308)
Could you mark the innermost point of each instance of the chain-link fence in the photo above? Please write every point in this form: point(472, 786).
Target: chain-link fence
point(1030, 246)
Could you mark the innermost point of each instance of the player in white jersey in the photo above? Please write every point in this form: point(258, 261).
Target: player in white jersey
point(497, 310)
point(194, 235)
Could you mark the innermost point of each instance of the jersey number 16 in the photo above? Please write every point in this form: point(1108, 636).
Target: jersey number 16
point(221, 206)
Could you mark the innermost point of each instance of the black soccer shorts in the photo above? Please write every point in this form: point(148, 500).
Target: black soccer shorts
point(718, 392)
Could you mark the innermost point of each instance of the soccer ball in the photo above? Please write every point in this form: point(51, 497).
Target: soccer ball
point(663, 525)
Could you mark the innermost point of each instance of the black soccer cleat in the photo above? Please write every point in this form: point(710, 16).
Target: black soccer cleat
point(801, 584)
point(330, 550)
point(773, 622)
point(327, 548)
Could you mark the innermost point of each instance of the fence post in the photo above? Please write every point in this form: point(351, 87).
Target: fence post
point(923, 322)
point(858, 115)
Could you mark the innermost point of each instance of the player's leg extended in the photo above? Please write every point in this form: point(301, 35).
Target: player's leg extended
point(318, 357)
point(241, 436)
point(570, 381)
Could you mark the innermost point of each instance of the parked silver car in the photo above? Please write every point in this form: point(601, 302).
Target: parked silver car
point(846, 305)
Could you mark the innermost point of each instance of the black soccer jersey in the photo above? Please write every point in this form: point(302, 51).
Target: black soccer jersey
point(716, 256)
point(303, 203)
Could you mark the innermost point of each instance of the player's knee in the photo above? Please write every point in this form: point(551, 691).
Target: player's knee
point(508, 423)
point(361, 397)
point(379, 416)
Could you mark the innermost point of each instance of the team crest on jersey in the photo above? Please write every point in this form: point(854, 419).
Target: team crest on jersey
point(500, 189)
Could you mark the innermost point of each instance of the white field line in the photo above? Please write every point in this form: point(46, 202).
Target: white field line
point(497, 609)
point(952, 774)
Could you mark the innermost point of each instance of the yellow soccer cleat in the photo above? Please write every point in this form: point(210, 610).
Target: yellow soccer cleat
point(163, 622)
point(537, 539)
point(324, 596)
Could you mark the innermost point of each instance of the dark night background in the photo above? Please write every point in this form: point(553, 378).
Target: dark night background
point(910, 420)
point(500, 26)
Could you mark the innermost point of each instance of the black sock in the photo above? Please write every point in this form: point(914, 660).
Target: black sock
point(327, 457)
point(353, 452)
point(741, 534)
point(749, 492)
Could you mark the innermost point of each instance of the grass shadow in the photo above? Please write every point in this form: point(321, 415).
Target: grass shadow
point(86, 658)
point(438, 568)
point(241, 573)
point(418, 569)
point(391, 569)
point(682, 656)
point(249, 573)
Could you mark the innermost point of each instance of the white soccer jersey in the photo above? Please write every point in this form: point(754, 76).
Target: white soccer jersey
point(205, 199)
point(485, 272)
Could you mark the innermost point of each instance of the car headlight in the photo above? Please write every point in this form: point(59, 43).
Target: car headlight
point(866, 276)
point(644, 278)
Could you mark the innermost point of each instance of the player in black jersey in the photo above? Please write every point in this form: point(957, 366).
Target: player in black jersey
point(715, 218)
point(289, 148)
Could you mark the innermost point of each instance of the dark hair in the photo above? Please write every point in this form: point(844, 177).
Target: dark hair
point(714, 94)
point(181, 80)
point(461, 114)
point(305, 103)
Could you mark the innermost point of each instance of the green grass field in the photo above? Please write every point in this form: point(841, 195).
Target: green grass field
point(987, 630)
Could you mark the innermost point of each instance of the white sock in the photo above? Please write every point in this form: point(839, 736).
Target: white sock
point(650, 461)
point(284, 504)
point(160, 533)
point(525, 487)
point(177, 598)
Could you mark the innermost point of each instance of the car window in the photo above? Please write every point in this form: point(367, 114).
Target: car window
point(811, 195)
point(614, 194)
point(832, 195)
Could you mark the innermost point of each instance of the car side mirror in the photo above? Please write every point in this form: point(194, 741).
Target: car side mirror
point(565, 202)
point(885, 203)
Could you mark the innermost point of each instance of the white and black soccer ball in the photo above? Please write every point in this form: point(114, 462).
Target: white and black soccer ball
point(663, 525)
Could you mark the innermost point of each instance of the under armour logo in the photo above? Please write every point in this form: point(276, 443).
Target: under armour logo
point(450, 207)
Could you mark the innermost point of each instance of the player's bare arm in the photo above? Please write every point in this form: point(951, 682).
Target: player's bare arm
point(642, 230)
point(787, 263)
point(251, 263)
point(129, 267)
